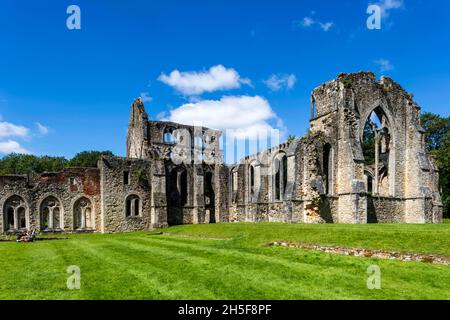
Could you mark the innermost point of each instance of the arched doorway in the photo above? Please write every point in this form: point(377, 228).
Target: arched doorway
point(176, 194)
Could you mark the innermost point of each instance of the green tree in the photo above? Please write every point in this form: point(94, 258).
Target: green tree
point(88, 159)
point(437, 138)
point(24, 163)
point(436, 128)
point(50, 164)
point(368, 143)
point(442, 156)
point(291, 138)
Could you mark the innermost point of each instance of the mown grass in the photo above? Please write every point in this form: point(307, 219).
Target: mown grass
point(191, 263)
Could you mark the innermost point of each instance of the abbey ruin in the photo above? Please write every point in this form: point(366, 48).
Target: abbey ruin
point(363, 161)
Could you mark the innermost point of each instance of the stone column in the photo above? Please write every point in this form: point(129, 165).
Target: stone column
point(83, 218)
point(158, 199)
point(132, 207)
point(198, 195)
point(179, 182)
point(350, 186)
point(16, 219)
point(50, 218)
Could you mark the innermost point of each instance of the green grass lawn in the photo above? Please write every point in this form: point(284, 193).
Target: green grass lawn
point(228, 261)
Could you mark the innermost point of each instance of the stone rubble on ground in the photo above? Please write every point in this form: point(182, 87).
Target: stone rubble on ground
point(369, 253)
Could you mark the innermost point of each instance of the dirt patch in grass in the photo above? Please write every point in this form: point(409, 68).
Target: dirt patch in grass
point(369, 253)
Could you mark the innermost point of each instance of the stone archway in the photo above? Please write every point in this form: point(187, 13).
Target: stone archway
point(51, 214)
point(15, 214)
point(83, 214)
point(377, 141)
point(279, 176)
point(380, 109)
point(176, 194)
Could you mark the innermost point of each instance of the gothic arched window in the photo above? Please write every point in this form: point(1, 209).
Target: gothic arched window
point(15, 214)
point(82, 214)
point(51, 214)
point(280, 176)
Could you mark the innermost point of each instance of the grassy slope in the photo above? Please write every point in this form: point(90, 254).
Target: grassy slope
point(143, 266)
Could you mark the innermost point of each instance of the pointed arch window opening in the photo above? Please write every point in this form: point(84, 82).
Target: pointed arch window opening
point(376, 144)
point(51, 214)
point(199, 147)
point(327, 169)
point(14, 214)
point(252, 181)
point(83, 214)
point(280, 178)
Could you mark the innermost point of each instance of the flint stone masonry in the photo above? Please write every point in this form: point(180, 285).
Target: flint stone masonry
point(67, 187)
point(377, 254)
point(319, 178)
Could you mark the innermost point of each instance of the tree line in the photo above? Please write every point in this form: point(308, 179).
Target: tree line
point(437, 138)
point(25, 163)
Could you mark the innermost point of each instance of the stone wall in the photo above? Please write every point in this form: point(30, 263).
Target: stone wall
point(175, 173)
point(335, 189)
point(67, 187)
point(122, 179)
point(385, 210)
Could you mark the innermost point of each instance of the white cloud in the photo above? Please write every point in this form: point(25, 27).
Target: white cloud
point(277, 82)
point(42, 129)
point(11, 146)
point(307, 21)
point(326, 26)
point(11, 130)
point(146, 97)
point(195, 83)
point(240, 116)
point(387, 5)
point(384, 65)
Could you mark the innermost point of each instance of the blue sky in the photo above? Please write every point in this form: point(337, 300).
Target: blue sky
point(64, 91)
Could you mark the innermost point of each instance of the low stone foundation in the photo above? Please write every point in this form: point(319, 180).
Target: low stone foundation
point(369, 253)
